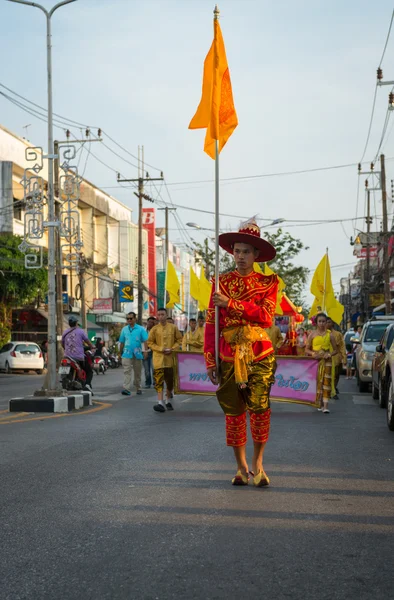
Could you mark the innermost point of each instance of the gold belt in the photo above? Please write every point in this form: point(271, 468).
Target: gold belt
point(241, 340)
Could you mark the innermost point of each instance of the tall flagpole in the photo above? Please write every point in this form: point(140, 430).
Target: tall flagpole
point(325, 282)
point(217, 309)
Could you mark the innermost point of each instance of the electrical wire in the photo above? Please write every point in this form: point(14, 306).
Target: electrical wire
point(387, 39)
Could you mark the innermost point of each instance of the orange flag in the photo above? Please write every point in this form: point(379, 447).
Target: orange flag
point(216, 111)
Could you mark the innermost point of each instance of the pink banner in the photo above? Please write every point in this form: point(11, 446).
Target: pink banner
point(296, 380)
point(191, 375)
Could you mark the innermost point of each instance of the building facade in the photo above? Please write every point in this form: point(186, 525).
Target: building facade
point(109, 237)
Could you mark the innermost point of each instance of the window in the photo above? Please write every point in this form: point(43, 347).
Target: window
point(390, 338)
point(6, 347)
point(18, 209)
point(375, 332)
point(27, 348)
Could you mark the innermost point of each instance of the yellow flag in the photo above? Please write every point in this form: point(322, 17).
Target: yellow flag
point(216, 111)
point(322, 289)
point(205, 292)
point(257, 268)
point(194, 285)
point(172, 285)
point(281, 289)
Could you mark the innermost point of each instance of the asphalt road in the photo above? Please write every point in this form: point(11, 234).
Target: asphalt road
point(130, 504)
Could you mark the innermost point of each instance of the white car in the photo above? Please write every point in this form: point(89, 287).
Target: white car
point(26, 356)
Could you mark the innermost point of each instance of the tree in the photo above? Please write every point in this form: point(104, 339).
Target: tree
point(287, 248)
point(18, 285)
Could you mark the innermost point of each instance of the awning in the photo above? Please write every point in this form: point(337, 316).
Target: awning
point(111, 318)
point(89, 325)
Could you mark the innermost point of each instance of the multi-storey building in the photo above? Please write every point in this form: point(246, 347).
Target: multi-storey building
point(110, 238)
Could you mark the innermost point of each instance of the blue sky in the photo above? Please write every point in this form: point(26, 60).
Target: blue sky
point(303, 77)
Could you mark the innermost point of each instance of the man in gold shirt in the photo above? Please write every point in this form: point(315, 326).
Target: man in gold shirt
point(340, 358)
point(275, 336)
point(163, 339)
point(193, 340)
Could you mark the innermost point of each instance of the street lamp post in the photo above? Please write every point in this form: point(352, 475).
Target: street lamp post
point(51, 223)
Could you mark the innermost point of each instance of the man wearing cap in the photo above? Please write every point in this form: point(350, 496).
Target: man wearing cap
point(73, 342)
point(246, 302)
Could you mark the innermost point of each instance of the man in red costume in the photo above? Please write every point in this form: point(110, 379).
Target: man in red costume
point(246, 372)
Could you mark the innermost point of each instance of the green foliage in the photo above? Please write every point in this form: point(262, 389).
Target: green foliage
point(18, 285)
point(295, 277)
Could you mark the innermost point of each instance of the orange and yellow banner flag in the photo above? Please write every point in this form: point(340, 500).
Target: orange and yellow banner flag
point(216, 111)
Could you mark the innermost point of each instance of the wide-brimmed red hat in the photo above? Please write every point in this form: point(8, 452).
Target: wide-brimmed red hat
point(249, 233)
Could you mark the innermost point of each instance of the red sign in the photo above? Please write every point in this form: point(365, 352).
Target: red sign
point(373, 252)
point(149, 223)
point(102, 306)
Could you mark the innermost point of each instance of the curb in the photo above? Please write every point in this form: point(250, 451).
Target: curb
point(56, 404)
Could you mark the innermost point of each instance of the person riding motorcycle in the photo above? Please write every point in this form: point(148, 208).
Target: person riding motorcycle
point(73, 342)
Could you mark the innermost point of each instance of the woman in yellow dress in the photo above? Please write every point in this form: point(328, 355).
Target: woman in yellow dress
point(321, 345)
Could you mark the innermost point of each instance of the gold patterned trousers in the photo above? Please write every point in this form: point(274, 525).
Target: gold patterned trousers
point(254, 399)
point(165, 374)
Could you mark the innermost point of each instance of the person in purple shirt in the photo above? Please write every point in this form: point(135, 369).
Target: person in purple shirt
point(73, 342)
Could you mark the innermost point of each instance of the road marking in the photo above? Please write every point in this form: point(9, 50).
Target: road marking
point(11, 416)
point(102, 406)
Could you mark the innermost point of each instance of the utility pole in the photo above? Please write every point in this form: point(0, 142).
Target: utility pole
point(167, 246)
point(142, 178)
point(59, 258)
point(368, 270)
point(386, 266)
point(59, 281)
point(81, 277)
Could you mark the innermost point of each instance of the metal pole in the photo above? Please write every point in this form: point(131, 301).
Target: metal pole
point(139, 270)
point(217, 310)
point(386, 266)
point(59, 279)
point(368, 254)
point(325, 282)
point(51, 232)
point(51, 203)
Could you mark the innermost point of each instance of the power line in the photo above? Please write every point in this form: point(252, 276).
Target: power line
point(387, 39)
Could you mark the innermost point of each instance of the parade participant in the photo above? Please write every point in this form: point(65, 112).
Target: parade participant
point(201, 322)
point(163, 339)
point(340, 358)
point(151, 322)
point(133, 350)
point(275, 336)
point(301, 341)
point(321, 345)
point(74, 341)
point(247, 303)
point(193, 340)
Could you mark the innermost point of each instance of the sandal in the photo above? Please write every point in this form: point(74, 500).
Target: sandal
point(240, 479)
point(261, 479)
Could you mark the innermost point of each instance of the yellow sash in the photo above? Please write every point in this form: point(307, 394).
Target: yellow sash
point(241, 340)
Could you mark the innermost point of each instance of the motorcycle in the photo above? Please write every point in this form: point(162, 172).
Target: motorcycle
point(99, 365)
point(113, 361)
point(72, 375)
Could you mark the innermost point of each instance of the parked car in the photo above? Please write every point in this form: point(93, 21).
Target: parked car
point(380, 368)
point(23, 356)
point(371, 335)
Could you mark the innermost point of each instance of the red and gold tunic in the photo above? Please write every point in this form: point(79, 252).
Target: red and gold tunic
point(252, 302)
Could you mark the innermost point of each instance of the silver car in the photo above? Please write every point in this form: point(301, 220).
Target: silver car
point(371, 335)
